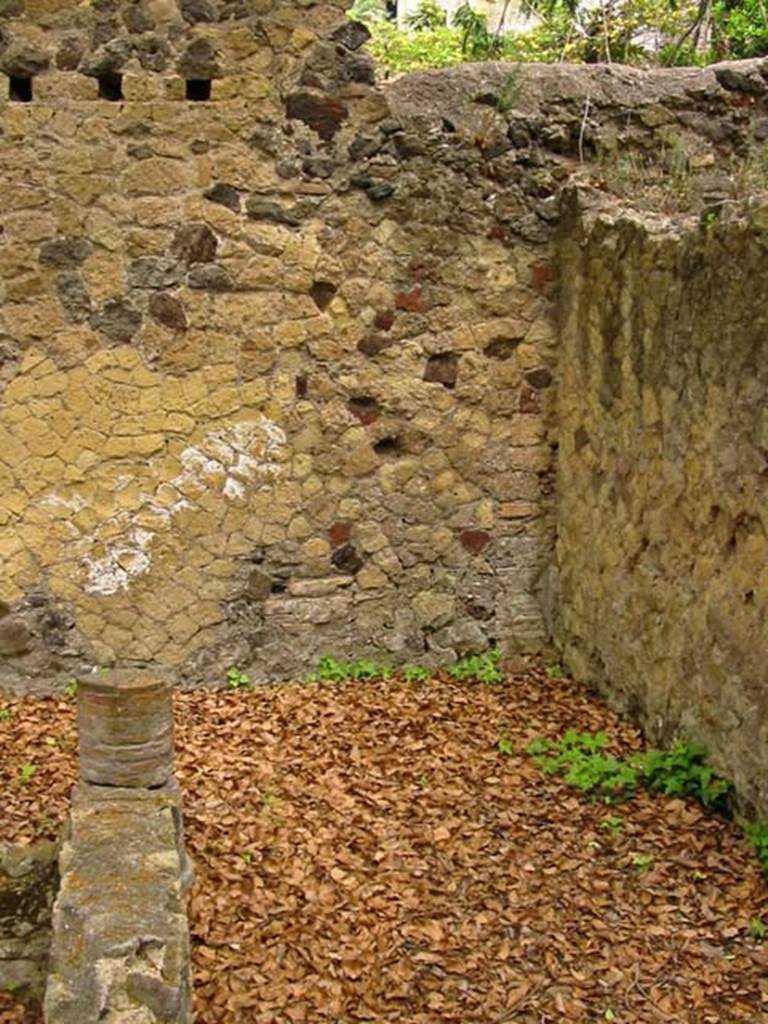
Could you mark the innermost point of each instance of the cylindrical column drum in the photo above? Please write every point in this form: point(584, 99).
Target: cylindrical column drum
point(125, 722)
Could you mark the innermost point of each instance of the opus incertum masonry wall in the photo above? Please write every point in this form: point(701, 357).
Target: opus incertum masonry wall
point(275, 367)
point(292, 363)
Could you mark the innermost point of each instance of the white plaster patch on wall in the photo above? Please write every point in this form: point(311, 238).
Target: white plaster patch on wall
point(128, 558)
point(230, 461)
point(225, 459)
point(71, 504)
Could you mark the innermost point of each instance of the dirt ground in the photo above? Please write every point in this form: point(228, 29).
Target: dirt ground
point(366, 854)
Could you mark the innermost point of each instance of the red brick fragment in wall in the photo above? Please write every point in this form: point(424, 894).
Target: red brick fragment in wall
point(542, 275)
point(498, 232)
point(339, 533)
point(365, 409)
point(413, 301)
point(324, 114)
point(474, 540)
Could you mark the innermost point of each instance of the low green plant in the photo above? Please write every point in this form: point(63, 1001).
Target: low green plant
point(415, 674)
point(680, 771)
point(368, 11)
point(510, 92)
point(477, 42)
point(757, 835)
point(683, 771)
point(581, 760)
point(642, 862)
point(428, 15)
point(5, 714)
point(398, 51)
point(237, 679)
point(505, 746)
point(758, 929)
point(481, 668)
point(247, 856)
point(70, 690)
point(708, 219)
point(743, 27)
point(555, 672)
point(329, 670)
point(26, 772)
point(612, 824)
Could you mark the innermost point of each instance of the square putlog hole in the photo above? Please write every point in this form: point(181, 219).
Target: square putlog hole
point(111, 87)
point(198, 89)
point(19, 89)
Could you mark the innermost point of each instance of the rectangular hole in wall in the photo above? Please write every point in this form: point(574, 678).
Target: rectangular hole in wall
point(111, 87)
point(20, 89)
point(198, 89)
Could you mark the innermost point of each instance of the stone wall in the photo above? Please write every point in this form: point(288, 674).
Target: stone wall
point(279, 352)
point(29, 880)
point(275, 365)
point(663, 477)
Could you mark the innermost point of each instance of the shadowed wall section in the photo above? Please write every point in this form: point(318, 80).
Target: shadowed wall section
point(663, 478)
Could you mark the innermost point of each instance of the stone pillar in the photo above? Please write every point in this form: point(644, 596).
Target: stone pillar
point(124, 869)
point(125, 726)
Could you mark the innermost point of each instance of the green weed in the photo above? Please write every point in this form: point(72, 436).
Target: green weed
point(237, 679)
point(555, 672)
point(481, 668)
point(757, 835)
point(26, 772)
point(680, 771)
point(683, 771)
point(70, 690)
point(580, 759)
point(505, 745)
point(329, 670)
point(428, 15)
point(5, 714)
point(642, 862)
point(758, 929)
point(612, 824)
point(708, 219)
point(510, 92)
point(415, 674)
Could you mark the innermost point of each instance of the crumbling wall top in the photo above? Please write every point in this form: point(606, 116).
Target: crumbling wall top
point(198, 40)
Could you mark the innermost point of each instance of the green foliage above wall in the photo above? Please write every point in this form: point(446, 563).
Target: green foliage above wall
point(618, 31)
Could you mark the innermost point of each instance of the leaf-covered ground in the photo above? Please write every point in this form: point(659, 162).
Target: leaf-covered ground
point(365, 853)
